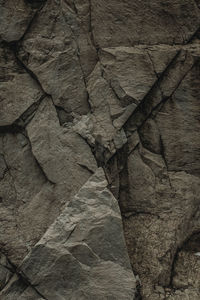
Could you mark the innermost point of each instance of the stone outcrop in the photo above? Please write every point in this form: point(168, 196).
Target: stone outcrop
point(99, 109)
point(83, 253)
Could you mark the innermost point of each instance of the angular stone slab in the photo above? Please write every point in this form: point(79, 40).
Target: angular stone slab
point(83, 253)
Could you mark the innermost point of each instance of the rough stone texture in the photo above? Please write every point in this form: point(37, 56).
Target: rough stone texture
point(14, 80)
point(6, 271)
point(51, 52)
point(162, 197)
point(83, 253)
point(88, 84)
point(14, 19)
point(130, 23)
point(34, 186)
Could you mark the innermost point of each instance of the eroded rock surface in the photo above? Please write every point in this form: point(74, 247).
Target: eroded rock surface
point(89, 84)
point(83, 253)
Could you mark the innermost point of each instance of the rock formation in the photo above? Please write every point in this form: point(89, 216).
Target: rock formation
point(99, 149)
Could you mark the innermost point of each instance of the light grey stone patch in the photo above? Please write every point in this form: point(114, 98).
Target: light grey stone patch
point(88, 239)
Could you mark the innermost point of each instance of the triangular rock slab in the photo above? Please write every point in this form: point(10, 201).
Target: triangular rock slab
point(83, 254)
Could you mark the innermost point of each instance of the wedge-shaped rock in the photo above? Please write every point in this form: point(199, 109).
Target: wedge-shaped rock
point(64, 156)
point(83, 253)
point(34, 189)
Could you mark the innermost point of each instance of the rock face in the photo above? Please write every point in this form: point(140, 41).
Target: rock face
point(83, 253)
point(99, 108)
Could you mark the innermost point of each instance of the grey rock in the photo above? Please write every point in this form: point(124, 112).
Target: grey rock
point(50, 50)
point(49, 141)
point(32, 195)
point(6, 271)
point(180, 131)
point(17, 288)
point(99, 83)
point(87, 238)
point(121, 64)
point(132, 22)
point(14, 80)
point(14, 19)
point(166, 211)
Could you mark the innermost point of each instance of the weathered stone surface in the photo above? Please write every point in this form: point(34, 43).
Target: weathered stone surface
point(17, 288)
point(93, 83)
point(32, 197)
point(50, 50)
point(49, 141)
point(87, 240)
point(14, 80)
point(122, 63)
point(14, 19)
point(21, 182)
point(182, 143)
point(6, 271)
point(98, 127)
point(162, 197)
point(134, 22)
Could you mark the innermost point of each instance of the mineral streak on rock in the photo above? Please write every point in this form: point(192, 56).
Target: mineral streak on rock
point(99, 109)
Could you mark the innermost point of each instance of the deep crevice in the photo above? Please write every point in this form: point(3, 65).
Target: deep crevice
point(141, 107)
point(141, 110)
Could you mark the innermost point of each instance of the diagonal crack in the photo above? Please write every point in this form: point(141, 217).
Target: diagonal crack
point(38, 164)
point(16, 270)
point(29, 25)
point(28, 114)
point(86, 168)
point(79, 60)
point(15, 49)
point(195, 35)
point(141, 111)
point(20, 123)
